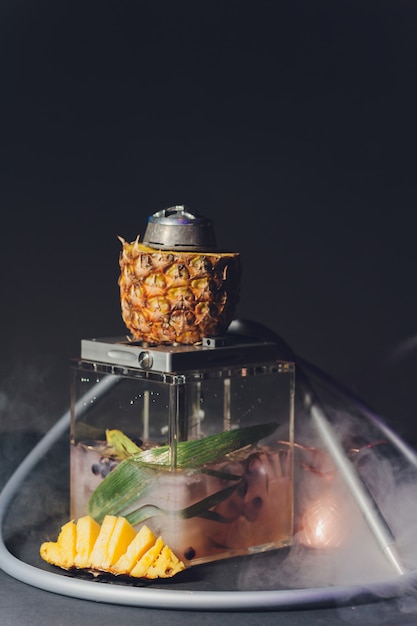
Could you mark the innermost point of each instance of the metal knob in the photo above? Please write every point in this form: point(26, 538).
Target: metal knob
point(180, 228)
point(145, 360)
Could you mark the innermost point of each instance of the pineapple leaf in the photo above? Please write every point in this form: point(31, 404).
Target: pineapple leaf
point(134, 477)
point(128, 482)
point(198, 452)
point(220, 474)
point(143, 513)
point(198, 509)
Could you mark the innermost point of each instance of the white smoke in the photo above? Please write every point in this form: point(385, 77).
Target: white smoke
point(333, 544)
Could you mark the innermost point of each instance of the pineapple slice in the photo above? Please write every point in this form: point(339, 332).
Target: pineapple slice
point(98, 553)
point(114, 547)
point(141, 543)
point(61, 552)
point(165, 565)
point(87, 533)
point(142, 566)
point(123, 533)
point(51, 552)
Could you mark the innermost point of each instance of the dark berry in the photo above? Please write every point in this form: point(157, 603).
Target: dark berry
point(189, 553)
point(105, 470)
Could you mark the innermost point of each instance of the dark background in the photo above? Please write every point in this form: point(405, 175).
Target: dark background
point(291, 124)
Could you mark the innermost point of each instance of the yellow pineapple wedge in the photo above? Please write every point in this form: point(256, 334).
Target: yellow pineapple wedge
point(142, 566)
point(167, 563)
point(61, 552)
point(99, 551)
point(114, 547)
point(87, 533)
point(177, 296)
point(123, 533)
point(141, 543)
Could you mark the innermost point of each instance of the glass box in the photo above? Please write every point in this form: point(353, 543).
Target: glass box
point(210, 434)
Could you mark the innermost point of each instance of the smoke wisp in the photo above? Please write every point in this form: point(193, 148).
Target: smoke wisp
point(333, 544)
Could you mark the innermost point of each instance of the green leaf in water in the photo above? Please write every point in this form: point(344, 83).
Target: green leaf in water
point(199, 509)
point(137, 475)
point(199, 452)
point(128, 482)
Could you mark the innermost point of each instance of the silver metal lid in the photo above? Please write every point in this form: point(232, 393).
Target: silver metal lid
point(211, 354)
point(180, 228)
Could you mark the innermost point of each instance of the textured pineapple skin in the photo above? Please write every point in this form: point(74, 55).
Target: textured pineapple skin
point(176, 296)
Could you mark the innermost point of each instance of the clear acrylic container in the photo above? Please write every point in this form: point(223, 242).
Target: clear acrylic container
point(236, 501)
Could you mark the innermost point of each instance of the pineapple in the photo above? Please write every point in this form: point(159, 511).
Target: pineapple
point(144, 540)
point(114, 547)
point(87, 533)
point(123, 533)
point(166, 564)
point(61, 552)
point(142, 566)
point(99, 553)
point(172, 296)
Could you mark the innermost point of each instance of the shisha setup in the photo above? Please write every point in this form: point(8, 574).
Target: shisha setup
point(184, 383)
point(194, 423)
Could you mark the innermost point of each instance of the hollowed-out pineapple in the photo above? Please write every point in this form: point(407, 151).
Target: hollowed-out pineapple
point(177, 296)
